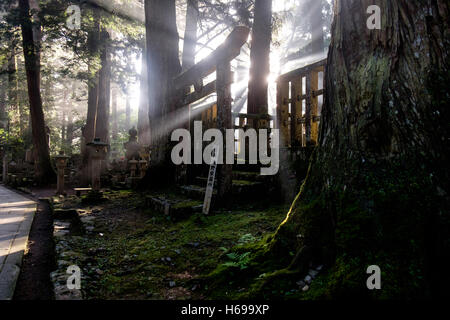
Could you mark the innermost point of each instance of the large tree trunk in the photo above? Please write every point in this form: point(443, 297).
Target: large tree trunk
point(143, 122)
point(260, 58)
point(190, 34)
point(377, 191)
point(114, 126)
point(316, 21)
point(97, 121)
point(104, 91)
point(127, 111)
point(70, 124)
point(163, 65)
point(44, 171)
point(3, 96)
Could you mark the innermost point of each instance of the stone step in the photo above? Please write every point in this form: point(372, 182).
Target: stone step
point(178, 208)
point(242, 188)
point(240, 176)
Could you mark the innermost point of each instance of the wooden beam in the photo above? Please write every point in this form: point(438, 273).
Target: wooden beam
point(226, 52)
point(298, 73)
point(253, 116)
point(205, 91)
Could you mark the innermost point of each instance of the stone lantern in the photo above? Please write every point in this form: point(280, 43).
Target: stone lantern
point(61, 164)
point(97, 152)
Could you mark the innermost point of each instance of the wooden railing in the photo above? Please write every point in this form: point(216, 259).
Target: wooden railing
point(298, 113)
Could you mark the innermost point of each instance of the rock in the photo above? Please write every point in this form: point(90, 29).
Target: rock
point(60, 225)
point(305, 288)
point(300, 283)
point(60, 233)
point(308, 279)
point(313, 273)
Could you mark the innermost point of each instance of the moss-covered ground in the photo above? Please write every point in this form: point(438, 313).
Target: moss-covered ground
point(136, 253)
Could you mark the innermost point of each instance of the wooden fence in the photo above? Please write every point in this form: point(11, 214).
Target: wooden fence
point(298, 113)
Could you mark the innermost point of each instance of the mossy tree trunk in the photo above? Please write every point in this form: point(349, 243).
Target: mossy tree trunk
point(143, 122)
point(377, 191)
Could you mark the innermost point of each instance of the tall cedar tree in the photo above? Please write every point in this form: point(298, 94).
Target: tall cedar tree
point(377, 191)
point(260, 57)
point(44, 170)
point(163, 65)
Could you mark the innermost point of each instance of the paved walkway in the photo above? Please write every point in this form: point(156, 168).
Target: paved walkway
point(16, 216)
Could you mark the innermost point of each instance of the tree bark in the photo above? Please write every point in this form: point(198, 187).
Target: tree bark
point(163, 65)
point(377, 191)
point(70, 124)
point(3, 97)
point(114, 128)
point(143, 121)
point(260, 58)
point(104, 91)
point(44, 170)
point(97, 121)
point(190, 35)
point(127, 111)
point(317, 23)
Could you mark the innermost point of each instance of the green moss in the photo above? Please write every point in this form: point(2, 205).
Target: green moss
point(186, 204)
point(134, 262)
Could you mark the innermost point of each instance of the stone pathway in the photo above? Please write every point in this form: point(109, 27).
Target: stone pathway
point(16, 217)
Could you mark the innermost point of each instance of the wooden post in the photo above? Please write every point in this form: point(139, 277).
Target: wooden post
point(283, 112)
point(314, 106)
point(308, 111)
point(61, 164)
point(224, 80)
point(96, 167)
point(296, 113)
